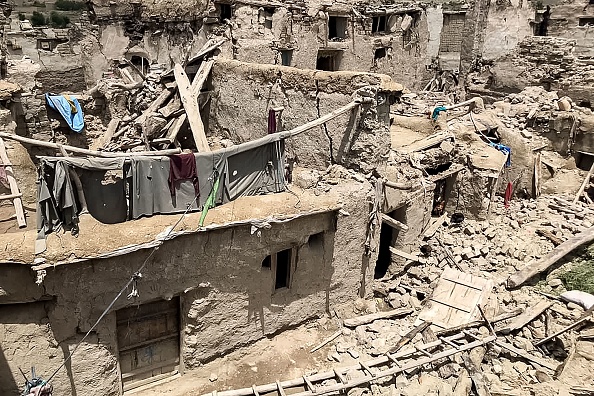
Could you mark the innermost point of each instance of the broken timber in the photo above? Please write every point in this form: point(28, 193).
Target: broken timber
point(79, 150)
point(361, 320)
point(407, 256)
point(526, 317)
point(555, 255)
point(394, 223)
point(344, 382)
point(190, 103)
point(584, 184)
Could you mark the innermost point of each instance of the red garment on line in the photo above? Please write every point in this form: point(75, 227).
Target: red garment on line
point(183, 167)
point(508, 194)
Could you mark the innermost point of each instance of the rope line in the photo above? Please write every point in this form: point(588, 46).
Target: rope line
point(134, 278)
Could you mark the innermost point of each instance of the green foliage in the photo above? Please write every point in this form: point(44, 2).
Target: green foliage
point(39, 4)
point(581, 276)
point(59, 20)
point(38, 19)
point(22, 16)
point(69, 5)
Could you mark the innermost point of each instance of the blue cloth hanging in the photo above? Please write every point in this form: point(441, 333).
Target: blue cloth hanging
point(70, 110)
point(436, 111)
point(505, 150)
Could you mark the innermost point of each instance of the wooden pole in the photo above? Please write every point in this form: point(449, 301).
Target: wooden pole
point(584, 184)
point(78, 150)
point(555, 255)
point(190, 103)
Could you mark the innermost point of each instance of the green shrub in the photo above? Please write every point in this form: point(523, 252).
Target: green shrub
point(59, 20)
point(69, 5)
point(22, 16)
point(38, 19)
point(38, 4)
point(581, 276)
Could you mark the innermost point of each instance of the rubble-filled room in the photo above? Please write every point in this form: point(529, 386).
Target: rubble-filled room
point(291, 197)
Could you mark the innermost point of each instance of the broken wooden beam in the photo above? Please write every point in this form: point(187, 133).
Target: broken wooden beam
point(111, 129)
point(584, 184)
point(190, 103)
point(407, 256)
point(432, 229)
point(550, 236)
point(526, 317)
point(201, 76)
point(361, 320)
point(409, 336)
point(524, 354)
point(555, 255)
point(72, 149)
point(585, 318)
point(394, 223)
point(326, 341)
point(476, 323)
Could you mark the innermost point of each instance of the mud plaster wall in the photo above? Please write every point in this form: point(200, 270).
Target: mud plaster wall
point(565, 23)
point(243, 93)
point(507, 25)
point(229, 300)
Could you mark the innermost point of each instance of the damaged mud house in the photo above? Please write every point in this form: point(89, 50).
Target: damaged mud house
point(259, 197)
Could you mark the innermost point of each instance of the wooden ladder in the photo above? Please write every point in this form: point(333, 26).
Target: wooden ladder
point(15, 194)
point(389, 364)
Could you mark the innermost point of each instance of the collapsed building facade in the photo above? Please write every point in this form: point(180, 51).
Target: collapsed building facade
point(329, 139)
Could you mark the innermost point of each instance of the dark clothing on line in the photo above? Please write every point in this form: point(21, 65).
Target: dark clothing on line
point(183, 167)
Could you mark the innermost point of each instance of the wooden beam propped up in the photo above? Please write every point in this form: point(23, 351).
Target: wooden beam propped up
point(190, 103)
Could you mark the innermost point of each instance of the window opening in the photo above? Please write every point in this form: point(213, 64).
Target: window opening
point(337, 27)
point(327, 62)
point(283, 268)
point(226, 11)
point(586, 21)
point(378, 24)
point(267, 262)
point(286, 57)
point(268, 12)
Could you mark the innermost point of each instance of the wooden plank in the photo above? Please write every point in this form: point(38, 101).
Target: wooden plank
point(432, 229)
point(201, 76)
point(11, 196)
point(309, 385)
point(407, 256)
point(111, 129)
point(154, 366)
point(14, 187)
point(537, 174)
point(280, 389)
point(153, 107)
point(409, 336)
point(550, 236)
point(79, 150)
point(522, 353)
point(555, 255)
point(585, 318)
point(190, 103)
point(354, 322)
point(394, 223)
point(175, 128)
point(584, 184)
point(323, 119)
point(426, 143)
point(136, 384)
point(326, 341)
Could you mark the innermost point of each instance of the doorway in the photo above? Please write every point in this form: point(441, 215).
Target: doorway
point(388, 238)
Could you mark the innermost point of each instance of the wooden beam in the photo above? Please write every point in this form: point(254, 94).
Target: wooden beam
point(584, 184)
point(201, 76)
point(111, 129)
point(407, 256)
point(190, 103)
point(524, 354)
point(72, 149)
point(555, 255)
point(323, 119)
point(326, 341)
point(14, 187)
point(432, 229)
point(394, 223)
point(360, 320)
point(526, 317)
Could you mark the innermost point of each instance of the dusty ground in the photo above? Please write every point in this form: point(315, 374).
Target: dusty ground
point(282, 357)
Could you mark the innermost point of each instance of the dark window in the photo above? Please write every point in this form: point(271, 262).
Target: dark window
point(283, 268)
point(286, 57)
point(226, 11)
point(141, 63)
point(337, 27)
point(378, 25)
point(268, 12)
point(328, 62)
point(586, 21)
point(379, 53)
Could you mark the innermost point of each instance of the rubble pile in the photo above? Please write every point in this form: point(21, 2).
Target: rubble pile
point(518, 361)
